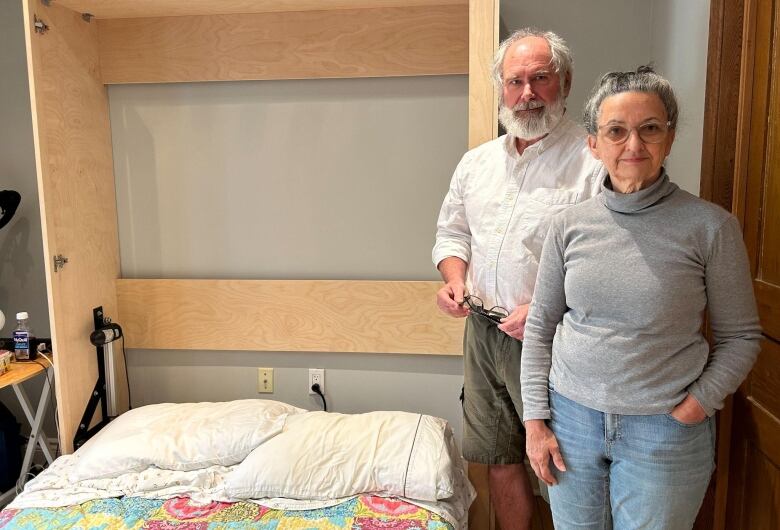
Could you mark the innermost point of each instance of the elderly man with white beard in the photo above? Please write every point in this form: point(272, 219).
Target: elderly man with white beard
point(488, 242)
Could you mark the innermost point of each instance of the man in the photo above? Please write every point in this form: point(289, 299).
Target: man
point(490, 233)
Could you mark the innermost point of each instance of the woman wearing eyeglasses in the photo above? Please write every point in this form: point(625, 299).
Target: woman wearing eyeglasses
point(619, 385)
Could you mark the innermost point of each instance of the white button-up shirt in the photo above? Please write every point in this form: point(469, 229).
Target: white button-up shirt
point(497, 211)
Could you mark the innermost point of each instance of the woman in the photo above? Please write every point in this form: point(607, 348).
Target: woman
point(619, 385)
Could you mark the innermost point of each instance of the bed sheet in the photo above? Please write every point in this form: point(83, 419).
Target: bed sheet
point(364, 512)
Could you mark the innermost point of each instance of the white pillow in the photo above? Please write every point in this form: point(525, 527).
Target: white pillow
point(180, 436)
point(323, 455)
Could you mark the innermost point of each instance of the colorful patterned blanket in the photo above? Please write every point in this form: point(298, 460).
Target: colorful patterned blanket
point(366, 512)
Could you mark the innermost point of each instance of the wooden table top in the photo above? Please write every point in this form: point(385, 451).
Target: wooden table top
point(20, 371)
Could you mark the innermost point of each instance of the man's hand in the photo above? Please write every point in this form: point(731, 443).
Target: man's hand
point(514, 324)
point(689, 411)
point(541, 445)
point(450, 299)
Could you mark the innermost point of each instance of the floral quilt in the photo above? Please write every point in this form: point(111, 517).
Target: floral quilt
point(365, 512)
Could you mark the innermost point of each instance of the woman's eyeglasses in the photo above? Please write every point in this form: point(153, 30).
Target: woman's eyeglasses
point(649, 133)
point(475, 304)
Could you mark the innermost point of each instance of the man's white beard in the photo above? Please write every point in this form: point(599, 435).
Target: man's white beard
point(531, 126)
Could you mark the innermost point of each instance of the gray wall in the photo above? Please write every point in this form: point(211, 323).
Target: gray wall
point(313, 179)
point(22, 276)
point(323, 179)
point(679, 49)
point(609, 35)
point(353, 382)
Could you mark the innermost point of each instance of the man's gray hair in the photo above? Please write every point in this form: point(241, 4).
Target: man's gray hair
point(644, 79)
point(561, 55)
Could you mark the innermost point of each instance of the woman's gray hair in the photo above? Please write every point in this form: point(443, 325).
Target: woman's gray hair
point(644, 79)
point(561, 55)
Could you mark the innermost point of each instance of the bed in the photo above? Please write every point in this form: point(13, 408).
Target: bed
point(253, 464)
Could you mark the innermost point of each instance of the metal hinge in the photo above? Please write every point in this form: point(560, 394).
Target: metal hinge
point(40, 25)
point(59, 262)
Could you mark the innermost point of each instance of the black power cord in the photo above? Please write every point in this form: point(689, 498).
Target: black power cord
point(127, 377)
point(316, 389)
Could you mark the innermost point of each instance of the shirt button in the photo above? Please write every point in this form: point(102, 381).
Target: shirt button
point(499, 230)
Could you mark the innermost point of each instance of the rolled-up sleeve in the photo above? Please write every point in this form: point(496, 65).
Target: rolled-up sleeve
point(734, 321)
point(546, 312)
point(453, 236)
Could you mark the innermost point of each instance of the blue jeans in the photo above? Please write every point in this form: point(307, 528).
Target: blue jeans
point(628, 472)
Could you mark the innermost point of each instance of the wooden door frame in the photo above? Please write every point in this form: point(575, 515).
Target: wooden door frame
point(724, 165)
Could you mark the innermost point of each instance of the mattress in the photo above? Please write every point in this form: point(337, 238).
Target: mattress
point(252, 464)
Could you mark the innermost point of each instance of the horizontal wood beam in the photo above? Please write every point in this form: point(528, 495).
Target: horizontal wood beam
point(177, 8)
point(287, 315)
point(290, 45)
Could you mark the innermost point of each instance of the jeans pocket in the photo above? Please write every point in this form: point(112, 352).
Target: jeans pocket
point(687, 425)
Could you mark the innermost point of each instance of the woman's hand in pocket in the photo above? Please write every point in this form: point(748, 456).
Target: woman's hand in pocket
point(689, 411)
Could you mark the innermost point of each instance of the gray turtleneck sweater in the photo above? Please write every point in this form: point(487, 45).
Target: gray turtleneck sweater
point(624, 281)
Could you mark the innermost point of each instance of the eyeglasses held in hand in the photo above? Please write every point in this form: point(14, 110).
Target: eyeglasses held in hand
point(475, 304)
point(650, 133)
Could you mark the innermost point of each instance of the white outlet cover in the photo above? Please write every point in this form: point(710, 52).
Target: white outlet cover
point(316, 375)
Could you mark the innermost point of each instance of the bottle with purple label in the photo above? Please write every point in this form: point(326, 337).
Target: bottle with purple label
point(22, 336)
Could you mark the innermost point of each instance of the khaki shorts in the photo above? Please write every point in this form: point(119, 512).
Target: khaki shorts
point(492, 405)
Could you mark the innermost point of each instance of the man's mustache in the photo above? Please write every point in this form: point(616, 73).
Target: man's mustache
point(529, 105)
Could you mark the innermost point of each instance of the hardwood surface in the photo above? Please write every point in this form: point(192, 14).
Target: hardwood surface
point(287, 315)
point(292, 45)
point(162, 8)
point(724, 65)
point(542, 516)
point(483, 42)
point(721, 100)
point(753, 496)
point(481, 513)
point(21, 371)
point(76, 191)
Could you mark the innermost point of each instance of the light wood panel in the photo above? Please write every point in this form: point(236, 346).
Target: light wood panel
point(76, 191)
point(291, 45)
point(163, 8)
point(287, 315)
point(483, 42)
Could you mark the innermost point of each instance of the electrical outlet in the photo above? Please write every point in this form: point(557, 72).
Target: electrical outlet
point(316, 375)
point(265, 380)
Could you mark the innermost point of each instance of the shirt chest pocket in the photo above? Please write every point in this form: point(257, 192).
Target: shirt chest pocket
point(554, 198)
point(540, 205)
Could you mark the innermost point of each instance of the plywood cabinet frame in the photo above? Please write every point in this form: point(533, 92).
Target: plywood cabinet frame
point(125, 41)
